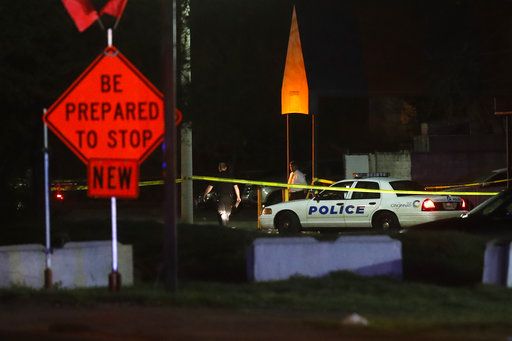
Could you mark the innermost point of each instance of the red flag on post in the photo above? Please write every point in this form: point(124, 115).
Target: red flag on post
point(82, 12)
point(114, 7)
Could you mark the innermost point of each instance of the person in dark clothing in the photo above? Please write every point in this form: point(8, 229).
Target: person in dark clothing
point(226, 192)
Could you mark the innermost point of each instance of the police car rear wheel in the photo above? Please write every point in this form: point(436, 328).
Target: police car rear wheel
point(287, 223)
point(386, 221)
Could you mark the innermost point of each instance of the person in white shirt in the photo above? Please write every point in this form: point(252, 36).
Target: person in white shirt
point(296, 178)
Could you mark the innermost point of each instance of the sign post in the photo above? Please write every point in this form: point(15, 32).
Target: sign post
point(48, 281)
point(114, 278)
point(169, 66)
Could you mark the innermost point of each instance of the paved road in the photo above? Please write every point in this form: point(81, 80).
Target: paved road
point(129, 322)
point(246, 218)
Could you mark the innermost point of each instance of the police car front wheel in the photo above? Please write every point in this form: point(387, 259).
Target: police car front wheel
point(385, 221)
point(287, 223)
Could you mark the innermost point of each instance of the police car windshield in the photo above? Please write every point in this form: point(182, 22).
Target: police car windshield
point(335, 195)
point(405, 185)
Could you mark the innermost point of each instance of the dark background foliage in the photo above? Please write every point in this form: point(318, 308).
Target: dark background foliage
point(444, 59)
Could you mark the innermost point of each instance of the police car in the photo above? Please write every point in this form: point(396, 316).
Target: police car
point(367, 208)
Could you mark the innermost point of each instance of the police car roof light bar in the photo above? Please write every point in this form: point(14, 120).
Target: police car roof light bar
point(357, 175)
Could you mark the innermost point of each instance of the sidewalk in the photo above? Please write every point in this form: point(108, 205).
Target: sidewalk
point(244, 218)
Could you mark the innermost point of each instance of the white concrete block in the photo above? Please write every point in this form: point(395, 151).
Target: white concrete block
point(22, 265)
point(509, 266)
point(281, 258)
point(85, 264)
point(88, 264)
point(498, 264)
point(497, 267)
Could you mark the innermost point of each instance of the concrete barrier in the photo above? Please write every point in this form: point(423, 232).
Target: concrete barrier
point(497, 264)
point(76, 265)
point(280, 258)
point(22, 265)
point(87, 264)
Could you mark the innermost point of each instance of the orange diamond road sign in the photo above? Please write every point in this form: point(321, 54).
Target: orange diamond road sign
point(110, 112)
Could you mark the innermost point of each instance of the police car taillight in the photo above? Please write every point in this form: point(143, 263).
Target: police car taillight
point(463, 204)
point(428, 205)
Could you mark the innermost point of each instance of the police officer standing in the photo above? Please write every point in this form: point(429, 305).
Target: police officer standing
point(227, 192)
point(296, 178)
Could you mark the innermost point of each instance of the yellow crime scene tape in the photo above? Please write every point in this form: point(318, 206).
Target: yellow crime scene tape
point(323, 181)
point(70, 187)
point(341, 189)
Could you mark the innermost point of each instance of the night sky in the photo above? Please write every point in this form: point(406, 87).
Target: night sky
point(365, 59)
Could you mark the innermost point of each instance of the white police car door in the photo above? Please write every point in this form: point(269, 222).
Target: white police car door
point(360, 205)
point(326, 209)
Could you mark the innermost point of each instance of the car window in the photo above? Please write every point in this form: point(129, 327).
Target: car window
point(405, 185)
point(489, 205)
point(498, 206)
point(492, 206)
point(366, 195)
point(336, 195)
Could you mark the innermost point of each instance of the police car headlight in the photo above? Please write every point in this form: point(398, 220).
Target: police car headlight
point(266, 210)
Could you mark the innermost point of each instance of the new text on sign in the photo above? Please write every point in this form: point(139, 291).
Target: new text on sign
point(112, 177)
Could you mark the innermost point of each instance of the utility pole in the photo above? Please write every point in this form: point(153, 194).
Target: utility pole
point(503, 107)
point(170, 254)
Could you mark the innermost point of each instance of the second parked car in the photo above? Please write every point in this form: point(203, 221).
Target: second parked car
point(494, 181)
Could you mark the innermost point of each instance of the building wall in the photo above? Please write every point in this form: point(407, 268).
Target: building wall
point(446, 168)
point(397, 164)
point(438, 160)
point(453, 159)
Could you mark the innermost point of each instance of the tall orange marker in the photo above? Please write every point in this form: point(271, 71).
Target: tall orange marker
point(294, 91)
